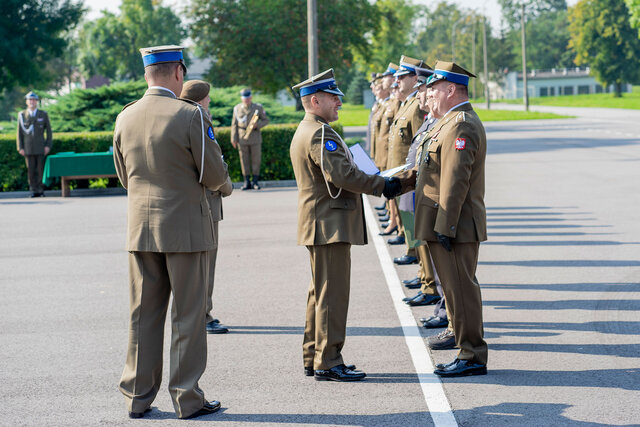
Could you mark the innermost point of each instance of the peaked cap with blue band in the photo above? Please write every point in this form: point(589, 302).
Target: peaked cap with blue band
point(162, 54)
point(31, 95)
point(410, 65)
point(323, 82)
point(391, 69)
point(423, 74)
point(450, 72)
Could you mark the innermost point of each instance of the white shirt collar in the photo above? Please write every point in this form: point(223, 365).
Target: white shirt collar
point(453, 108)
point(163, 88)
point(33, 113)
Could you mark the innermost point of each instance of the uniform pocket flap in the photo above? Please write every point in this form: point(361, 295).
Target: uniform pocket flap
point(432, 200)
point(434, 146)
point(342, 204)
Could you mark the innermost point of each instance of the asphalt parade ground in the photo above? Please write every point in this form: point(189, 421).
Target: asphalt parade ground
point(559, 276)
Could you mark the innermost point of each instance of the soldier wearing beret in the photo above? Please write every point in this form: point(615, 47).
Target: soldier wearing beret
point(198, 91)
point(32, 144)
point(450, 210)
point(330, 220)
point(166, 156)
point(248, 119)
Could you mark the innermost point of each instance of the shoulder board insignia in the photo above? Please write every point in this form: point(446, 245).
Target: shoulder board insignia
point(331, 145)
point(460, 117)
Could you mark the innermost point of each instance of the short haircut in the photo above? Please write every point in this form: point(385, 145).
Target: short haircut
point(162, 70)
point(306, 101)
point(462, 89)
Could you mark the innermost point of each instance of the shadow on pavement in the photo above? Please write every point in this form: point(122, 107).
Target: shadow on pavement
point(620, 350)
point(566, 263)
point(299, 330)
point(609, 327)
point(600, 304)
point(568, 287)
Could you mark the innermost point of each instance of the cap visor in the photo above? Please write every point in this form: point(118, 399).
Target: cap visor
point(401, 73)
point(418, 84)
point(335, 91)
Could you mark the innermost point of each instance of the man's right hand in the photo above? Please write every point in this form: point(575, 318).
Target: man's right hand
point(21, 151)
point(392, 187)
point(235, 144)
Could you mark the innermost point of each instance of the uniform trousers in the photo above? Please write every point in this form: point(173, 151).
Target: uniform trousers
point(35, 169)
point(250, 158)
point(457, 270)
point(426, 273)
point(154, 277)
point(213, 255)
point(327, 305)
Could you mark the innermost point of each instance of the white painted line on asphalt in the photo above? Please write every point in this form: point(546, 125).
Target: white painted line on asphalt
point(437, 402)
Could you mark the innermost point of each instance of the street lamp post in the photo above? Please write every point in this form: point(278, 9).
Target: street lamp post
point(453, 39)
point(312, 37)
point(525, 87)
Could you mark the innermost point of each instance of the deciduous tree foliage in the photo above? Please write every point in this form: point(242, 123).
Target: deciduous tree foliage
point(32, 33)
point(263, 43)
point(602, 38)
point(110, 45)
point(634, 12)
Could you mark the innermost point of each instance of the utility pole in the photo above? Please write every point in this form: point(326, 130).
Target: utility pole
point(525, 88)
point(312, 37)
point(473, 54)
point(486, 73)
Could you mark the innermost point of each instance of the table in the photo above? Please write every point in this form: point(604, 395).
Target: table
point(70, 165)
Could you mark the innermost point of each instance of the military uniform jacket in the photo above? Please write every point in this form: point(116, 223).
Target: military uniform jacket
point(381, 141)
point(31, 132)
point(374, 125)
point(159, 158)
point(450, 181)
point(405, 124)
point(215, 199)
point(328, 211)
point(242, 116)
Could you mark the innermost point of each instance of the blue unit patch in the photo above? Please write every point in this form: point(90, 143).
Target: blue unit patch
point(210, 133)
point(331, 145)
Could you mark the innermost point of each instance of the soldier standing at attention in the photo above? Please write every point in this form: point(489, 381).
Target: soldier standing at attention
point(450, 211)
point(330, 220)
point(32, 145)
point(166, 156)
point(248, 119)
point(198, 91)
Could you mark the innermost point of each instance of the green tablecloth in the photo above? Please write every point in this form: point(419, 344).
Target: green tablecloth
point(73, 164)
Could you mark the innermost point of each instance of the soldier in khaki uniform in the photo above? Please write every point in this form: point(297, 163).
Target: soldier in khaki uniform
point(330, 220)
point(405, 124)
point(198, 91)
point(31, 142)
point(166, 156)
point(248, 119)
point(450, 211)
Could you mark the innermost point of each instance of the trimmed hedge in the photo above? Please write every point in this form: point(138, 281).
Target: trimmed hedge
point(276, 164)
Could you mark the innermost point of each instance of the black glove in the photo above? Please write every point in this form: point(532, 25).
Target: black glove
point(392, 187)
point(445, 241)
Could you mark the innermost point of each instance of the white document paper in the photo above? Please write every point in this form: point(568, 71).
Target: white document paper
point(390, 172)
point(363, 161)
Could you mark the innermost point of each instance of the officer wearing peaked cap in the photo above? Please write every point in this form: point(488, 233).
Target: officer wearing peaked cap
point(330, 220)
point(450, 211)
point(32, 143)
point(166, 156)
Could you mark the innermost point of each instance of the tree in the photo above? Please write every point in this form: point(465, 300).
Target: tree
point(511, 10)
point(263, 43)
point(634, 12)
point(32, 33)
point(110, 45)
point(602, 38)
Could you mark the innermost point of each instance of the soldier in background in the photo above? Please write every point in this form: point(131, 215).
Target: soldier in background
point(31, 142)
point(166, 155)
point(198, 91)
point(248, 119)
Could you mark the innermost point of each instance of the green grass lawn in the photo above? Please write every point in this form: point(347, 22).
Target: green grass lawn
point(629, 101)
point(357, 115)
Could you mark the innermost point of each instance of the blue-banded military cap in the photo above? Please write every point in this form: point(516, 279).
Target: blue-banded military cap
point(323, 82)
point(31, 95)
point(245, 93)
point(422, 75)
point(162, 55)
point(391, 69)
point(450, 72)
point(409, 65)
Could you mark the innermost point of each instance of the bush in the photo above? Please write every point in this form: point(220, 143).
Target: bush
point(276, 164)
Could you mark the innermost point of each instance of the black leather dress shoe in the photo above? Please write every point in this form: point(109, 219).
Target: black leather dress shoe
point(405, 299)
point(308, 371)
point(381, 207)
point(423, 299)
point(386, 233)
point(405, 260)
point(382, 212)
point(414, 281)
point(136, 415)
point(434, 322)
point(461, 368)
point(444, 365)
point(384, 225)
point(216, 328)
point(398, 240)
point(445, 340)
point(208, 408)
point(383, 218)
point(338, 373)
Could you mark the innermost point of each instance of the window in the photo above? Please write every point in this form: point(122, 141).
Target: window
point(568, 90)
point(583, 90)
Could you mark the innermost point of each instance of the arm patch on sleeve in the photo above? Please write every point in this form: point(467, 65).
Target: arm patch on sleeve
point(331, 145)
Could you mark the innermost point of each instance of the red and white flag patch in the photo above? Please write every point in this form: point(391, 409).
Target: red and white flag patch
point(461, 143)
